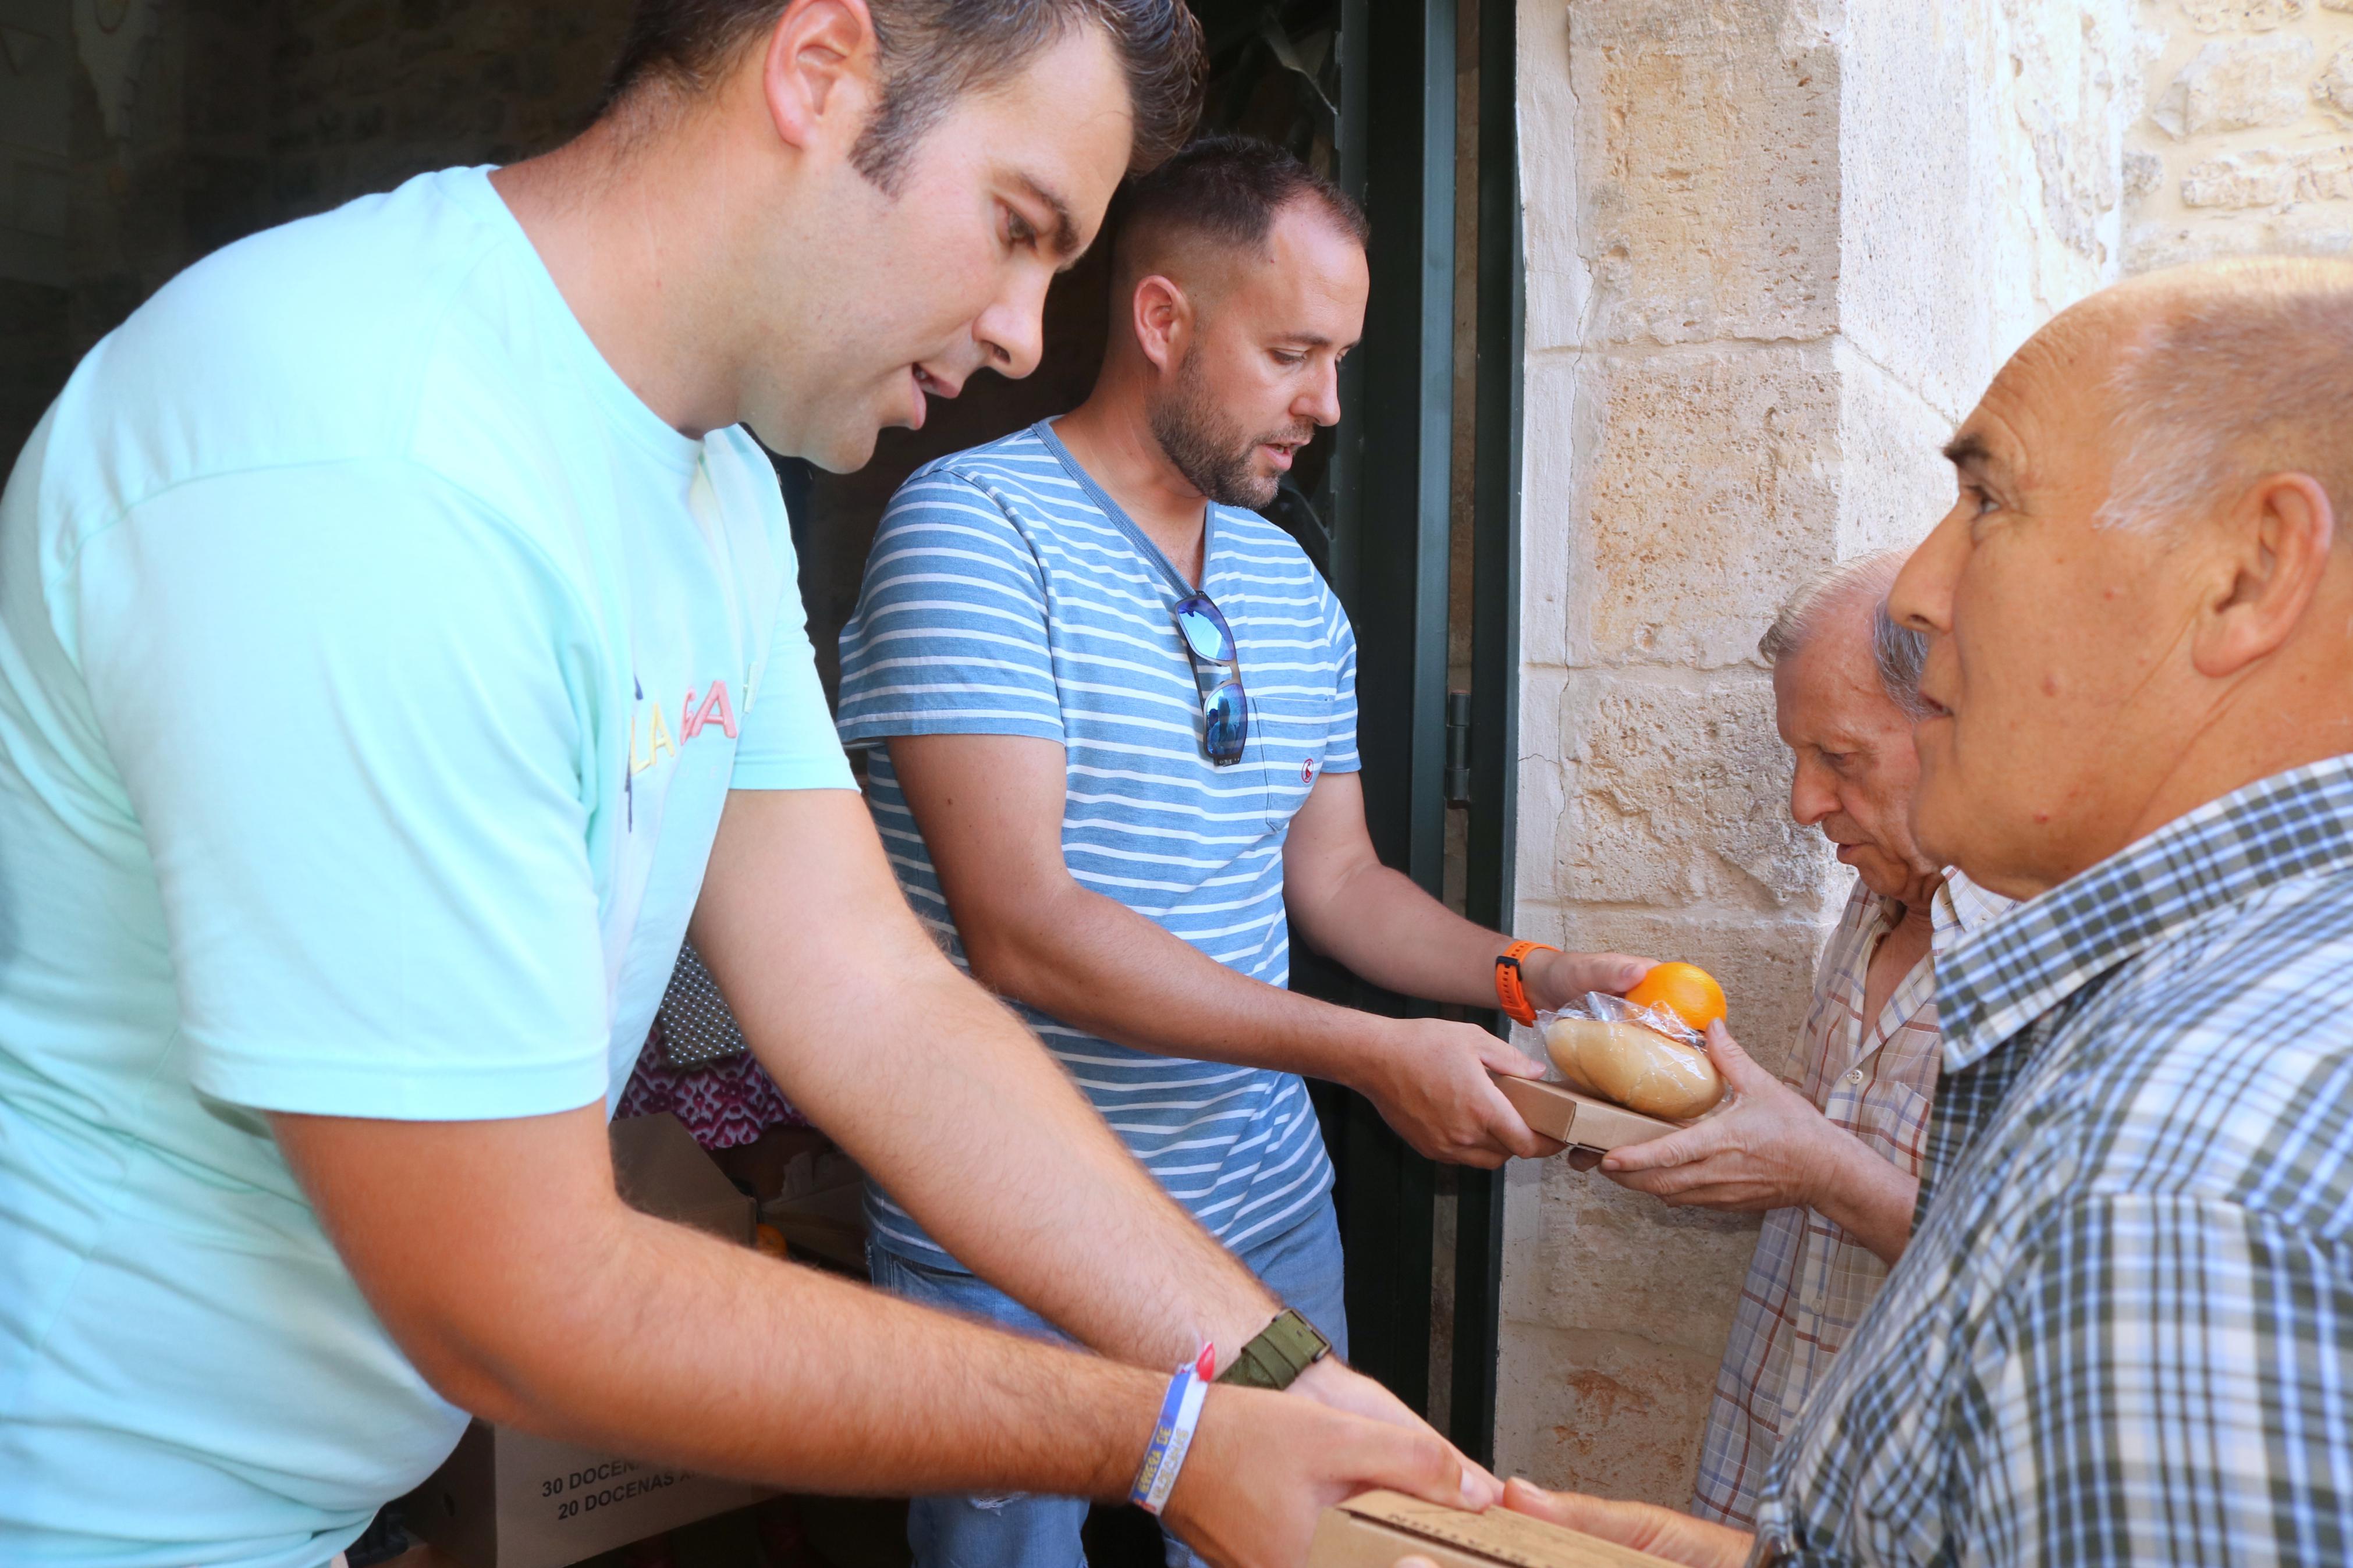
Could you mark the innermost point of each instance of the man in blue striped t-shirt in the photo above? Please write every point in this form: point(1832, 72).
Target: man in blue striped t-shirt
point(1118, 715)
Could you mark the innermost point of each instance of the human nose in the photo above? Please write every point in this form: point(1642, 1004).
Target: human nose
point(1321, 402)
point(1922, 598)
point(1813, 798)
point(1012, 331)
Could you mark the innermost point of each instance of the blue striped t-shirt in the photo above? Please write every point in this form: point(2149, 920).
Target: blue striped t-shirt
point(1007, 595)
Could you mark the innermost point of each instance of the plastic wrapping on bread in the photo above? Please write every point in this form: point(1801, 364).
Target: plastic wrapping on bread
point(1641, 1057)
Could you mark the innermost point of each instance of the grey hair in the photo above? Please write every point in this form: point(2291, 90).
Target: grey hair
point(2248, 370)
point(1900, 653)
point(1897, 652)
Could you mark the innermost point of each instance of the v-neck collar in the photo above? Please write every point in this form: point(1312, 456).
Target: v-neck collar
point(1152, 552)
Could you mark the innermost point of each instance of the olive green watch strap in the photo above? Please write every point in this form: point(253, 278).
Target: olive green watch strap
point(1283, 1348)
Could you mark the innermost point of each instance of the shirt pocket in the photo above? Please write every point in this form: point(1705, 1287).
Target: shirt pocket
point(1890, 1117)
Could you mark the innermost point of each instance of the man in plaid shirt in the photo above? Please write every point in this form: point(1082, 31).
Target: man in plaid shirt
point(2123, 1332)
point(1833, 1155)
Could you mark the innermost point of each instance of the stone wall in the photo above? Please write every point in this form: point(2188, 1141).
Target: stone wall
point(1774, 252)
point(2247, 140)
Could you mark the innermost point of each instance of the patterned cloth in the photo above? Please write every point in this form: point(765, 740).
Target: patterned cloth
point(2123, 1332)
point(1008, 594)
point(724, 1103)
point(1809, 1282)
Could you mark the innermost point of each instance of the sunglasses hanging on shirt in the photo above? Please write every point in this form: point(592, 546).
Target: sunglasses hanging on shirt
point(1217, 674)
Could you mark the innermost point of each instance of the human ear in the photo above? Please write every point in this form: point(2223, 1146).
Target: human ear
point(818, 71)
point(2273, 553)
point(1163, 321)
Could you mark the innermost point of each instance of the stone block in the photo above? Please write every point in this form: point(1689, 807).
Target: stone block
point(2253, 180)
point(2333, 87)
point(1614, 1415)
point(1706, 158)
point(1675, 788)
point(1895, 481)
point(1554, 612)
point(2238, 84)
point(2241, 16)
point(1714, 490)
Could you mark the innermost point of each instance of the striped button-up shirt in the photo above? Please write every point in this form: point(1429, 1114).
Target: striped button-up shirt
point(1811, 1280)
point(2124, 1329)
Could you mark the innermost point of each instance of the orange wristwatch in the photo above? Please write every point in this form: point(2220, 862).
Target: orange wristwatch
point(1510, 994)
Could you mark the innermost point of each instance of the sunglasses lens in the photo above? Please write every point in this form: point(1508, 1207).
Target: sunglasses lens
point(1227, 712)
point(1204, 631)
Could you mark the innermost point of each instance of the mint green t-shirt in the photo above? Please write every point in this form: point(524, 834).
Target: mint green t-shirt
point(373, 668)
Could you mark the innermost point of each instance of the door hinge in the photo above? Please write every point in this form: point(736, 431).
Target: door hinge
point(1458, 748)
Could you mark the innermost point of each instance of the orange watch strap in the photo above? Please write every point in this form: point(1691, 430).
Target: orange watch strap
point(1511, 995)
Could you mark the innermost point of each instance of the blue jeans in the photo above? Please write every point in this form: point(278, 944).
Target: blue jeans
point(1302, 1265)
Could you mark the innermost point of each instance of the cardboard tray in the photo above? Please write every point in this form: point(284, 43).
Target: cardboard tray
point(1375, 1529)
point(1576, 1120)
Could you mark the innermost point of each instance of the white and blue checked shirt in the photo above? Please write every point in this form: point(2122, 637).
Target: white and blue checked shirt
point(1007, 595)
point(2123, 1332)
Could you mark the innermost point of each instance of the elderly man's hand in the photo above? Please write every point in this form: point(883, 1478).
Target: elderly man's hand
point(1770, 1149)
point(1645, 1527)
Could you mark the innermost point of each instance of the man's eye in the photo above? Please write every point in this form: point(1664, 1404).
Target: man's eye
point(1287, 358)
point(1983, 501)
point(1018, 231)
point(1835, 761)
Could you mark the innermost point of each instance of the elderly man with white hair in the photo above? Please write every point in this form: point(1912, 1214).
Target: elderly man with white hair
point(1833, 1155)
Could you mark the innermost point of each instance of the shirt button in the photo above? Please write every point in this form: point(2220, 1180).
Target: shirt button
point(1855, 1076)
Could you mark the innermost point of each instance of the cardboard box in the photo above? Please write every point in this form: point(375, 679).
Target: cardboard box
point(1578, 1121)
point(1375, 1529)
point(505, 1499)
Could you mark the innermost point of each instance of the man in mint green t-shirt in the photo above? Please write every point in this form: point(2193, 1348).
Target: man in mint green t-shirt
point(399, 650)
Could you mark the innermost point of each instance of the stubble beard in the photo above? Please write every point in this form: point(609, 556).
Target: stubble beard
point(1206, 446)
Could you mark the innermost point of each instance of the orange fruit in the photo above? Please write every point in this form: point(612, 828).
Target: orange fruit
point(1686, 990)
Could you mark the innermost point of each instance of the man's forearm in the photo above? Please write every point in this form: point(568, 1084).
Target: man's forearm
point(1870, 1199)
point(669, 1345)
point(1380, 923)
point(945, 1099)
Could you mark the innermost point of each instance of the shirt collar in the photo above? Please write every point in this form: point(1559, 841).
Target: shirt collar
point(1961, 909)
point(2002, 977)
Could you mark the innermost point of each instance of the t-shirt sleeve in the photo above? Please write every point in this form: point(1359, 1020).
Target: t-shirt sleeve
point(950, 636)
point(349, 711)
point(789, 739)
point(1340, 755)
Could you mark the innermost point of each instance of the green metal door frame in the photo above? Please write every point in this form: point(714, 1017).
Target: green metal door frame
point(1391, 495)
point(1490, 893)
point(1389, 567)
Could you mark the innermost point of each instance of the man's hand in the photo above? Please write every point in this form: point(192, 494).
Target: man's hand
point(1428, 1079)
point(1554, 980)
point(1645, 1527)
point(1329, 1382)
point(1264, 1467)
point(1770, 1148)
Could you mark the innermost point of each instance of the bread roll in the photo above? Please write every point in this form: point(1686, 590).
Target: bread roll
point(1637, 1066)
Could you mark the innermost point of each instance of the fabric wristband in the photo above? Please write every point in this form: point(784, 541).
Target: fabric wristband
point(1172, 1435)
point(1282, 1350)
point(1511, 995)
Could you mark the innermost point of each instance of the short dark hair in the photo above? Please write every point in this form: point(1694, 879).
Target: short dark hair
point(933, 52)
point(1227, 189)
